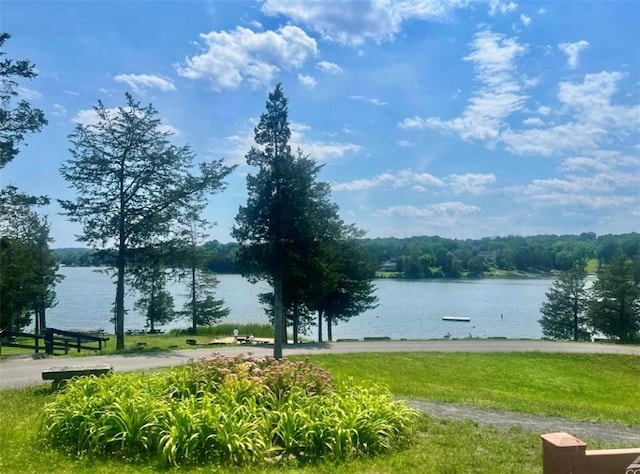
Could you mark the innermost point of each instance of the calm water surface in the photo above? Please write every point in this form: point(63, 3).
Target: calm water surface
point(407, 309)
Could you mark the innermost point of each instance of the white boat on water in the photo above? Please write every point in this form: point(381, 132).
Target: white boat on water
point(459, 319)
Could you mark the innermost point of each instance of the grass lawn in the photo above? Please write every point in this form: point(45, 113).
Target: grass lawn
point(601, 387)
point(590, 387)
point(174, 339)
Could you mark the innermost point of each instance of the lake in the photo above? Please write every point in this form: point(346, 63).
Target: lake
point(407, 308)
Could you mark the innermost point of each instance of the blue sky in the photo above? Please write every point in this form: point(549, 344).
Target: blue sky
point(462, 119)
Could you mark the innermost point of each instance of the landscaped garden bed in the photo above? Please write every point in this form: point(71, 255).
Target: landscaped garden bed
point(227, 411)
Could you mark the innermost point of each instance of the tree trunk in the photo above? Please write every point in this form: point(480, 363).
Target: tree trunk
point(120, 261)
point(296, 323)
point(120, 305)
point(37, 320)
point(329, 332)
point(278, 317)
point(194, 312)
point(152, 310)
point(319, 325)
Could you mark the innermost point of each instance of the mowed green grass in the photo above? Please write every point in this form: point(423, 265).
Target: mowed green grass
point(602, 387)
point(171, 340)
point(590, 387)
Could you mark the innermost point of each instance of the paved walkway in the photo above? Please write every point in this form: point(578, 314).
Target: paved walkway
point(24, 371)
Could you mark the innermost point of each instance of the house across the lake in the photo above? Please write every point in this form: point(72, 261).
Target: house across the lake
point(390, 265)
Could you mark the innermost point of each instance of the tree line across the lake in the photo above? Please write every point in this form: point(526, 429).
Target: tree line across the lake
point(439, 257)
point(139, 199)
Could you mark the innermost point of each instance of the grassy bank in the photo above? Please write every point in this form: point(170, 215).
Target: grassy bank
point(173, 339)
point(591, 387)
point(600, 387)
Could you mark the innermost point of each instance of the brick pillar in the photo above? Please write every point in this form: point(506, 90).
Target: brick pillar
point(563, 454)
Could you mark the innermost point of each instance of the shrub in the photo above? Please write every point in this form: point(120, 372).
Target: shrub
point(228, 411)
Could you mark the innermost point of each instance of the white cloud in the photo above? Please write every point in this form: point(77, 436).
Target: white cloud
point(141, 82)
point(525, 19)
point(498, 6)
point(319, 150)
point(573, 50)
point(28, 94)
point(404, 143)
point(403, 178)
point(470, 183)
point(433, 210)
point(307, 81)
point(357, 21)
point(498, 95)
point(591, 119)
point(544, 110)
point(89, 117)
point(533, 121)
point(369, 100)
point(329, 67)
point(59, 110)
point(600, 180)
point(231, 57)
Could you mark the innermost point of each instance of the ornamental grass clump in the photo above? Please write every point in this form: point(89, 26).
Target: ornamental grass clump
point(226, 411)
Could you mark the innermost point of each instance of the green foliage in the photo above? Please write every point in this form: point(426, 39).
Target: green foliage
point(438, 257)
point(291, 235)
point(563, 313)
point(148, 274)
point(436, 446)
point(28, 268)
point(226, 411)
point(614, 308)
point(16, 116)
point(134, 188)
point(556, 383)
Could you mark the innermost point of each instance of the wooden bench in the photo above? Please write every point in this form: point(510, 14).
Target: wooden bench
point(59, 375)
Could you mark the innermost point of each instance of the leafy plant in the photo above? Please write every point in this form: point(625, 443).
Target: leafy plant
point(226, 411)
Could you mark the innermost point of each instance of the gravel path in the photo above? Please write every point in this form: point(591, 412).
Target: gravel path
point(626, 436)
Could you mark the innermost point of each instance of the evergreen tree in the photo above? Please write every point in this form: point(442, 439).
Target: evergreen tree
point(148, 274)
point(17, 116)
point(134, 187)
point(352, 292)
point(202, 307)
point(28, 268)
point(563, 313)
point(263, 226)
point(614, 308)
